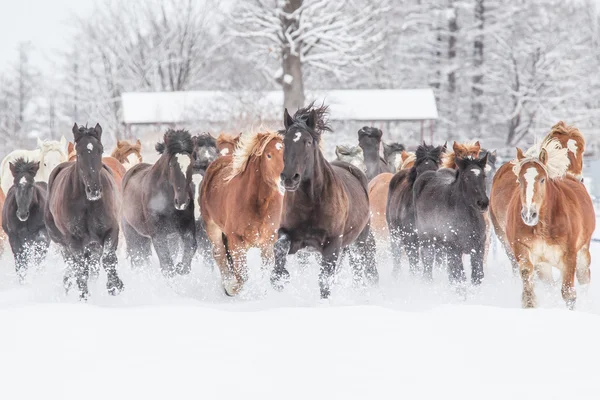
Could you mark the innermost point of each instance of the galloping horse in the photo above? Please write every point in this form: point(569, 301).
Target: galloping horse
point(157, 205)
point(128, 154)
point(369, 140)
point(449, 207)
point(117, 169)
point(550, 223)
point(23, 217)
point(400, 213)
point(82, 213)
point(326, 205)
point(564, 152)
point(49, 153)
point(352, 155)
point(226, 143)
point(241, 202)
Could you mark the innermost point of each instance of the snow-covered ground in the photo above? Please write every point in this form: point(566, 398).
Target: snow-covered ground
point(186, 340)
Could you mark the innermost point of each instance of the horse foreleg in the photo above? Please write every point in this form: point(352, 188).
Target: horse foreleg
point(139, 248)
point(456, 269)
point(526, 269)
point(19, 251)
point(583, 266)
point(280, 275)
point(215, 235)
point(114, 284)
point(396, 250)
point(189, 249)
point(331, 253)
point(237, 248)
point(365, 260)
point(412, 248)
point(428, 257)
point(161, 246)
point(568, 285)
point(477, 260)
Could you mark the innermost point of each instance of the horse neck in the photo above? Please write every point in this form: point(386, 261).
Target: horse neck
point(549, 204)
point(460, 187)
point(258, 187)
point(371, 157)
point(161, 167)
point(318, 182)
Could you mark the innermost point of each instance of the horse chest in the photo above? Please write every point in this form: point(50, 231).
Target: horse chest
point(542, 252)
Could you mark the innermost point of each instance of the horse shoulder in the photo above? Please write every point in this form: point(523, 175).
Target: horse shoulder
point(422, 181)
point(57, 170)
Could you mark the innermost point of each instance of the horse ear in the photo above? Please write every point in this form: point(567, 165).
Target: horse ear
point(404, 155)
point(312, 119)
point(63, 141)
point(36, 167)
point(75, 129)
point(12, 168)
point(456, 147)
point(165, 139)
point(76, 133)
point(543, 156)
point(477, 144)
point(40, 143)
point(70, 147)
point(483, 160)
point(520, 154)
point(444, 147)
point(287, 119)
point(98, 130)
point(460, 162)
point(138, 143)
point(493, 153)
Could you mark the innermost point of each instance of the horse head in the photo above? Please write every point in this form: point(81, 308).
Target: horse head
point(532, 176)
point(226, 143)
point(571, 139)
point(427, 158)
point(301, 138)
point(176, 149)
point(205, 152)
point(471, 175)
point(52, 153)
point(128, 154)
point(89, 149)
point(392, 152)
point(352, 155)
point(408, 159)
point(24, 180)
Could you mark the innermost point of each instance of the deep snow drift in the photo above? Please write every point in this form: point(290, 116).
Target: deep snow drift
point(185, 339)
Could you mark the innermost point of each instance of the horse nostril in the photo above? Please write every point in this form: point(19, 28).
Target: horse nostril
point(296, 177)
point(534, 215)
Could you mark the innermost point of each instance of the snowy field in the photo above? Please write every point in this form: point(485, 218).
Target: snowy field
point(185, 339)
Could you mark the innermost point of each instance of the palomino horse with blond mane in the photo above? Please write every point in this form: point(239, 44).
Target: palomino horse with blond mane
point(241, 201)
point(565, 152)
point(549, 223)
point(49, 153)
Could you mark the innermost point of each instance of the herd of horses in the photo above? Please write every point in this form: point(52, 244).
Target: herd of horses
point(277, 192)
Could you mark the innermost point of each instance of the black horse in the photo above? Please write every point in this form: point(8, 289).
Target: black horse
point(158, 208)
point(326, 205)
point(205, 152)
point(369, 140)
point(400, 213)
point(449, 207)
point(82, 213)
point(23, 217)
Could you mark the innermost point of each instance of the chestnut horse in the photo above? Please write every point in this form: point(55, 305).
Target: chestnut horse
point(241, 203)
point(82, 213)
point(565, 152)
point(400, 213)
point(549, 223)
point(326, 205)
point(127, 153)
point(158, 205)
point(462, 150)
point(112, 163)
point(226, 143)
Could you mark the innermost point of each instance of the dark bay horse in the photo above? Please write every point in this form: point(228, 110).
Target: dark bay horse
point(550, 223)
point(400, 213)
point(449, 207)
point(158, 206)
point(82, 213)
point(369, 140)
point(23, 217)
point(205, 152)
point(326, 205)
point(241, 203)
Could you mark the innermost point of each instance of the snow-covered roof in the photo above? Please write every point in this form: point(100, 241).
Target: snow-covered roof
point(217, 106)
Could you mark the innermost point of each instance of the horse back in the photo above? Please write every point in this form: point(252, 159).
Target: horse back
point(504, 186)
point(214, 190)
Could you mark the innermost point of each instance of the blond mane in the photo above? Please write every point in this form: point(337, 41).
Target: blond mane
point(411, 157)
point(249, 145)
point(557, 163)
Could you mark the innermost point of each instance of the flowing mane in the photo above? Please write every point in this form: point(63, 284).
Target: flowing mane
point(249, 145)
point(321, 119)
point(408, 159)
point(558, 160)
point(466, 149)
point(175, 142)
point(22, 166)
point(124, 148)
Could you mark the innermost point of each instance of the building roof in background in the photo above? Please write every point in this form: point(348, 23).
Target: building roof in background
point(217, 106)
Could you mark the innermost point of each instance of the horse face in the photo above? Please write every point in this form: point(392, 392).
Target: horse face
point(50, 160)
point(205, 152)
point(472, 173)
point(272, 160)
point(24, 185)
point(89, 161)
point(299, 156)
point(180, 176)
point(532, 189)
point(369, 138)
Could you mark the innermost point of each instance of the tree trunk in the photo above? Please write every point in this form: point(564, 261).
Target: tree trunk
point(477, 89)
point(292, 79)
point(453, 29)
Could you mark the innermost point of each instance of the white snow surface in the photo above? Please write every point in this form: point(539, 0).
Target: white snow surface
point(184, 339)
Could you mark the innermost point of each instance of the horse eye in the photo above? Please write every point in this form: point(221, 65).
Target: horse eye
point(543, 180)
point(268, 156)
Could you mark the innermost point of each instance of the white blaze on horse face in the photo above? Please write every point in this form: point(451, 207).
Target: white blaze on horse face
point(298, 136)
point(224, 151)
point(572, 146)
point(22, 181)
point(184, 162)
point(90, 147)
point(476, 171)
point(530, 182)
point(278, 146)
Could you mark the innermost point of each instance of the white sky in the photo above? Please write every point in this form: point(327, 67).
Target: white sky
point(43, 22)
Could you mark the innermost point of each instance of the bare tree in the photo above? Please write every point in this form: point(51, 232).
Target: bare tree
point(341, 37)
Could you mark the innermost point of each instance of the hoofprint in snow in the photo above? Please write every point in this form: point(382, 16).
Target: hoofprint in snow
point(185, 339)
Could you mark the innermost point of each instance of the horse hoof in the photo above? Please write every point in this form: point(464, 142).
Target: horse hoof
point(114, 286)
point(571, 304)
point(231, 287)
point(280, 279)
point(183, 269)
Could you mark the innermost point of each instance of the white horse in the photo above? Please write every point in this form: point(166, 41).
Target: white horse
point(49, 153)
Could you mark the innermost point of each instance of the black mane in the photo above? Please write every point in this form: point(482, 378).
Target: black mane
point(321, 120)
point(370, 131)
point(85, 131)
point(20, 166)
point(426, 152)
point(204, 139)
point(176, 142)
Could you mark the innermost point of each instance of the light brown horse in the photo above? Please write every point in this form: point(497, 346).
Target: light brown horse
point(112, 163)
point(462, 150)
point(408, 160)
point(241, 200)
point(226, 143)
point(564, 153)
point(2, 233)
point(127, 153)
point(550, 223)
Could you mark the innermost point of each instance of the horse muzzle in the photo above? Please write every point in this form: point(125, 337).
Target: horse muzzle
point(483, 204)
point(530, 216)
point(23, 216)
point(93, 194)
point(180, 206)
point(290, 184)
